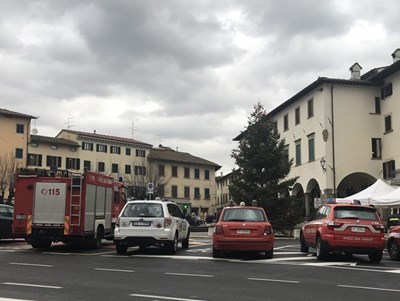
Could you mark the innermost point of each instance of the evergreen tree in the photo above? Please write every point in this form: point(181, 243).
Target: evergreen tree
point(263, 167)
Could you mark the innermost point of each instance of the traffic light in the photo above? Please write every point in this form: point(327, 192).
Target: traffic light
point(186, 206)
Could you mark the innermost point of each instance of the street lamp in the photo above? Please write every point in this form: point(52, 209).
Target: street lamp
point(323, 164)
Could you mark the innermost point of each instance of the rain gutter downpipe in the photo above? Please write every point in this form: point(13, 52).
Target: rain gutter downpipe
point(333, 144)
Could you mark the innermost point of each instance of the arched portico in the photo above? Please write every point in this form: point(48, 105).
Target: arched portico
point(354, 183)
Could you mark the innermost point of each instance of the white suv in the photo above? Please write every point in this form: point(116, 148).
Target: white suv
point(151, 223)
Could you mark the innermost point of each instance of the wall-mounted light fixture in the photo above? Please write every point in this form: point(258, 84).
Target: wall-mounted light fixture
point(323, 164)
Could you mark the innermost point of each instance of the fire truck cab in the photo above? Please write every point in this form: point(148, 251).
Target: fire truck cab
point(78, 208)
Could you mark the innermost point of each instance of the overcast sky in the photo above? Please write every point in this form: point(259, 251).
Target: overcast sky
point(185, 74)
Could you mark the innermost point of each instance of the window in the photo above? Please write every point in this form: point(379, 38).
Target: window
point(286, 122)
point(297, 116)
point(377, 105)
point(53, 162)
point(207, 193)
point(114, 168)
point(310, 108)
point(101, 148)
point(128, 169)
point(101, 166)
point(187, 192)
point(286, 150)
point(161, 170)
point(376, 148)
point(34, 160)
point(20, 128)
point(160, 190)
point(311, 148)
point(115, 150)
point(175, 171)
point(140, 170)
point(389, 169)
point(86, 165)
point(174, 191)
point(206, 174)
point(197, 193)
point(386, 91)
point(187, 172)
point(72, 163)
point(388, 123)
point(275, 125)
point(140, 153)
point(87, 146)
point(197, 173)
point(128, 151)
point(298, 152)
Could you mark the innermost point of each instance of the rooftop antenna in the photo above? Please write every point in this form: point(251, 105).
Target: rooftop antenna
point(34, 131)
point(69, 123)
point(133, 129)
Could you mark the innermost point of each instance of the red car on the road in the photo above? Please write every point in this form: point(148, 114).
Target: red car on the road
point(344, 228)
point(393, 243)
point(243, 228)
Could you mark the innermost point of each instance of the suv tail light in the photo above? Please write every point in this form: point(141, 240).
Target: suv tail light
point(268, 230)
point(380, 228)
point(218, 229)
point(167, 222)
point(332, 225)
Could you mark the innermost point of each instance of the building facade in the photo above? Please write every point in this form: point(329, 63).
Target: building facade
point(343, 134)
point(184, 178)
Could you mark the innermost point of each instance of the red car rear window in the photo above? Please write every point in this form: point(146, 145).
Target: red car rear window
point(352, 212)
point(243, 215)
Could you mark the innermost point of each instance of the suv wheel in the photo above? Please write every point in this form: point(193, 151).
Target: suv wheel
point(394, 250)
point(322, 253)
point(185, 242)
point(269, 254)
point(121, 249)
point(172, 246)
point(375, 257)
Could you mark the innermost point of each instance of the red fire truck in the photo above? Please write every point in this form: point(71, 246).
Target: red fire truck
point(52, 206)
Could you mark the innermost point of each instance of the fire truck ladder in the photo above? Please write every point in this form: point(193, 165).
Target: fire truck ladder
point(76, 199)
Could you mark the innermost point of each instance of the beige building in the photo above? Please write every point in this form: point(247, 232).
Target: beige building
point(14, 135)
point(343, 134)
point(223, 198)
point(186, 179)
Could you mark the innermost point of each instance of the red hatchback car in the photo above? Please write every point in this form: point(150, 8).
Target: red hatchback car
point(243, 228)
point(393, 243)
point(345, 228)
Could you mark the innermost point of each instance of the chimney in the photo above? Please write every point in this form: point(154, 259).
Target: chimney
point(396, 55)
point(355, 71)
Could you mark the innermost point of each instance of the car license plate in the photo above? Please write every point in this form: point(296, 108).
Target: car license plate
point(141, 224)
point(358, 229)
point(243, 231)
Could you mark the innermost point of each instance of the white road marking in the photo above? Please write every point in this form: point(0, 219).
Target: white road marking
point(32, 285)
point(371, 288)
point(32, 264)
point(284, 247)
point(394, 271)
point(163, 297)
point(114, 270)
point(331, 263)
point(10, 299)
point(273, 280)
point(190, 275)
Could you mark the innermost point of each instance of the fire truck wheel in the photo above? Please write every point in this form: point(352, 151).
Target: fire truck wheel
point(41, 244)
point(121, 250)
point(98, 238)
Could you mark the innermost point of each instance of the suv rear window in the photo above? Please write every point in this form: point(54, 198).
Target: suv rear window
point(143, 210)
point(355, 213)
point(243, 215)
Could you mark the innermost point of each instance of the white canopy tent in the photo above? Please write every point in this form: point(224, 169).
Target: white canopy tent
point(377, 189)
point(391, 199)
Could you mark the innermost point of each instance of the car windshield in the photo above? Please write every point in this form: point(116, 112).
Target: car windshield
point(143, 210)
point(356, 213)
point(243, 215)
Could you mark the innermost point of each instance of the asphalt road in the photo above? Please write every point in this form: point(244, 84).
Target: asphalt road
point(65, 273)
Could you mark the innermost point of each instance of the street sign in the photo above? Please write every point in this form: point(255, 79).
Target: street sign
point(150, 188)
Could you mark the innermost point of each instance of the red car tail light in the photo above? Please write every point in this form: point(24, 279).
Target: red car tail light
point(167, 222)
point(332, 225)
point(268, 230)
point(218, 229)
point(380, 228)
